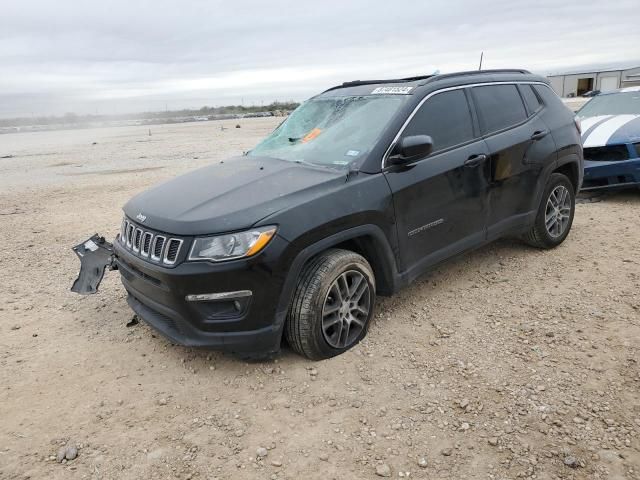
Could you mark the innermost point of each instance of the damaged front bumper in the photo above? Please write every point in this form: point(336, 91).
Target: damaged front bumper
point(226, 306)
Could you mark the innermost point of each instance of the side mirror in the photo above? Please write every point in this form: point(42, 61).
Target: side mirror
point(410, 149)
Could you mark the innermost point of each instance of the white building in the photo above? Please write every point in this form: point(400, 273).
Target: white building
point(574, 84)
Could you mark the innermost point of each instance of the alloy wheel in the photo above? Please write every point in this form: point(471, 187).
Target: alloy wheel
point(558, 211)
point(346, 309)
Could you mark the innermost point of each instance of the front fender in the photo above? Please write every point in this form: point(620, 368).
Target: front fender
point(384, 259)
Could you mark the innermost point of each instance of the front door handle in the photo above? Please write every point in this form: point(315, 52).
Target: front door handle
point(538, 134)
point(475, 160)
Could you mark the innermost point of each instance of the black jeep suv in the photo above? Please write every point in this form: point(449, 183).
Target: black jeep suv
point(363, 188)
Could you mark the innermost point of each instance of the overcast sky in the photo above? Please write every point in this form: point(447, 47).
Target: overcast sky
point(119, 56)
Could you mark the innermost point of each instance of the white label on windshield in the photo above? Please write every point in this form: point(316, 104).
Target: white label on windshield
point(392, 90)
point(352, 153)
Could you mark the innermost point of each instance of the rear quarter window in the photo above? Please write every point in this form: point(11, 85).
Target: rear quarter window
point(547, 95)
point(530, 98)
point(499, 107)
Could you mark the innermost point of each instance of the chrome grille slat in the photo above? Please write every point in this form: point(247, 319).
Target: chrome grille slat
point(137, 238)
point(151, 246)
point(172, 250)
point(158, 247)
point(146, 243)
point(130, 229)
point(123, 230)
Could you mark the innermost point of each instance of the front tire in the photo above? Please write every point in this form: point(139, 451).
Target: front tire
point(555, 214)
point(332, 305)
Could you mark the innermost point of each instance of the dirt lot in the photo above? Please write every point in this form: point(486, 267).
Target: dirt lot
point(506, 363)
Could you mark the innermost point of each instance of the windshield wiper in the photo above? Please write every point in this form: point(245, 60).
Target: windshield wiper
point(311, 164)
point(301, 161)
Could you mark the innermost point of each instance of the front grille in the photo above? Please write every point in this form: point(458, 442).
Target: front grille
point(151, 246)
point(608, 153)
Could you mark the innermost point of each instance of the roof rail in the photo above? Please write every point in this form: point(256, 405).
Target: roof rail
point(475, 72)
point(428, 78)
point(357, 83)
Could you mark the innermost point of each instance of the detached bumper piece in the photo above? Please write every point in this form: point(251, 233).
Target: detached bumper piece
point(95, 254)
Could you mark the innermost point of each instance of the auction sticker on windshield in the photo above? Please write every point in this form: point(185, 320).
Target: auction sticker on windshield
point(311, 135)
point(392, 91)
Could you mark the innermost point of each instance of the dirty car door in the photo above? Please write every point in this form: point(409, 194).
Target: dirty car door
point(520, 145)
point(441, 201)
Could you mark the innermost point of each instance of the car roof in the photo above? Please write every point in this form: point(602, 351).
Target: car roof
point(410, 85)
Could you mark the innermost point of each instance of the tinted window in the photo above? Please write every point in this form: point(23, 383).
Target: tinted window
point(530, 98)
point(445, 117)
point(499, 106)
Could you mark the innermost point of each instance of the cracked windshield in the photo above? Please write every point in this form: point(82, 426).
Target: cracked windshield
point(331, 131)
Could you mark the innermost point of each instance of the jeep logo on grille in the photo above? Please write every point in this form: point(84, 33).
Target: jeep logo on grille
point(141, 217)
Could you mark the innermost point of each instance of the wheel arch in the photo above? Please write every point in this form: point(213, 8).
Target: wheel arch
point(366, 240)
point(368, 247)
point(570, 167)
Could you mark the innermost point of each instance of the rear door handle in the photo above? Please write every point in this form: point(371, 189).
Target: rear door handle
point(475, 160)
point(538, 134)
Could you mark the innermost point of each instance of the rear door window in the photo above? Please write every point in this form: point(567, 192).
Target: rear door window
point(499, 107)
point(446, 118)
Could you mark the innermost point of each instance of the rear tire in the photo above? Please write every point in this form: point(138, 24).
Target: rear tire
point(332, 305)
point(555, 214)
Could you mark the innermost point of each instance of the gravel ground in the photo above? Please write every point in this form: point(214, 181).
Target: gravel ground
point(505, 363)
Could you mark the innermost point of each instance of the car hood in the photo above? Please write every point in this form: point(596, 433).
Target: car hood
point(230, 195)
point(610, 130)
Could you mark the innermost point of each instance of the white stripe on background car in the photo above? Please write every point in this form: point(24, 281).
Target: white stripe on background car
point(591, 126)
point(603, 132)
point(589, 122)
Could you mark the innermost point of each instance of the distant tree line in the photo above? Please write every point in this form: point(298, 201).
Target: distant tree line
point(225, 110)
point(72, 118)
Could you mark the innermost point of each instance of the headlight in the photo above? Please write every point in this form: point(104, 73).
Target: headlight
point(232, 245)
